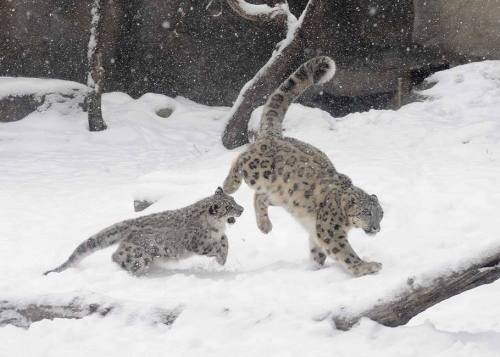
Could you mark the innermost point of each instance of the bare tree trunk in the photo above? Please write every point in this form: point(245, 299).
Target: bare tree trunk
point(24, 314)
point(96, 70)
point(414, 299)
point(287, 57)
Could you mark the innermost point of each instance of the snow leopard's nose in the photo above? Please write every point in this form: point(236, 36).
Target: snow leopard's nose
point(372, 230)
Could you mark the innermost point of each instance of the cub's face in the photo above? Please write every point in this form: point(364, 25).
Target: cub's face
point(364, 211)
point(224, 206)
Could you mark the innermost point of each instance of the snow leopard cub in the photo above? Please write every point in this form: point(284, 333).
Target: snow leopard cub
point(195, 229)
point(297, 176)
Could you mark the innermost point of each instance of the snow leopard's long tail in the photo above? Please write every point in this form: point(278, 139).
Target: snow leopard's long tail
point(315, 71)
point(101, 240)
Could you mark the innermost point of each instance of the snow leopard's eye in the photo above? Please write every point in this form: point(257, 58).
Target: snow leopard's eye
point(213, 209)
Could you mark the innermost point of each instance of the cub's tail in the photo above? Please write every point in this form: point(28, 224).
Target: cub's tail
point(315, 71)
point(101, 240)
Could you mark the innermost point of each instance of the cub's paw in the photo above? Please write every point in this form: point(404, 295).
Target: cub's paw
point(221, 259)
point(264, 225)
point(221, 255)
point(366, 268)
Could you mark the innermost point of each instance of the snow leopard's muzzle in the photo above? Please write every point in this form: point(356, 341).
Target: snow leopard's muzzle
point(238, 210)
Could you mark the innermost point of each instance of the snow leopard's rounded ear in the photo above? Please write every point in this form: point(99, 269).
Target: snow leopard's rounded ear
point(219, 191)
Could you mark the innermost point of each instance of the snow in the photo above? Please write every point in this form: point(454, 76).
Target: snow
point(263, 9)
point(20, 86)
point(433, 164)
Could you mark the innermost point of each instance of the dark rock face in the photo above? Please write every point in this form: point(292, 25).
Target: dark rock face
point(44, 38)
point(197, 49)
point(464, 29)
point(13, 108)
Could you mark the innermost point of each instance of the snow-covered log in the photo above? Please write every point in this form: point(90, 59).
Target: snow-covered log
point(302, 34)
point(22, 314)
point(413, 300)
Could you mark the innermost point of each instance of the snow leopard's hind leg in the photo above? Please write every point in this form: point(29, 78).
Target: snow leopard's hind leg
point(133, 258)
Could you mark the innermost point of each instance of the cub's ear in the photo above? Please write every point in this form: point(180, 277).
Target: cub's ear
point(213, 209)
point(219, 191)
point(375, 196)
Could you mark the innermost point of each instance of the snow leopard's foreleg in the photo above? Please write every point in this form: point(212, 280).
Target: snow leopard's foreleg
point(331, 235)
point(234, 177)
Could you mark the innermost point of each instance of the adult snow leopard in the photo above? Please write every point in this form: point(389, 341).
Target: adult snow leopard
point(297, 176)
point(195, 229)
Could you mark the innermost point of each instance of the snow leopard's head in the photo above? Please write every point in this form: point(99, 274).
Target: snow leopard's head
point(224, 206)
point(363, 210)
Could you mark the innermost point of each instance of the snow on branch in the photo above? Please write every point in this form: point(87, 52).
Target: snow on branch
point(412, 300)
point(261, 12)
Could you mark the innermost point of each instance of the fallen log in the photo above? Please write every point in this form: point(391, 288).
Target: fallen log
point(412, 300)
point(22, 314)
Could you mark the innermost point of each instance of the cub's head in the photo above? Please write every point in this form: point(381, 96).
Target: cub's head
point(363, 210)
point(224, 206)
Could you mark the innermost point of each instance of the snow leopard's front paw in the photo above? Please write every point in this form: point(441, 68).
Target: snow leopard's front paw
point(366, 268)
point(264, 224)
point(222, 251)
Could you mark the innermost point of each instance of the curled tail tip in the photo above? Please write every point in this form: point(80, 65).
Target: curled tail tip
point(323, 69)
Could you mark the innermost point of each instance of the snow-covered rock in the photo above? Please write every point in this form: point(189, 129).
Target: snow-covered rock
point(20, 96)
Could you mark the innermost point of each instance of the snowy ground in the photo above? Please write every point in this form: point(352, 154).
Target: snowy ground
point(435, 166)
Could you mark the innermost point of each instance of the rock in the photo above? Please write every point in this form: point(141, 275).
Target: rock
point(141, 205)
point(20, 96)
point(13, 108)
point(164, 112)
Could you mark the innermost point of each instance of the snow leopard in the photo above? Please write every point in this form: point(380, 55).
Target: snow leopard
point(195, 229)
point(300, 178)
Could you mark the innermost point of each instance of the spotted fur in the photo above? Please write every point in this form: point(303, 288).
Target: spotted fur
point(195, 229)
point(297, 176)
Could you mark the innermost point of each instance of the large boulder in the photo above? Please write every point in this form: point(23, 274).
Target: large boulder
point(21, 96)
point(466, 30)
